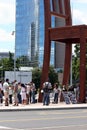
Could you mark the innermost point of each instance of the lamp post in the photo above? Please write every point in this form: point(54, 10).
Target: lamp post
point(13, 33)
point(71, 72)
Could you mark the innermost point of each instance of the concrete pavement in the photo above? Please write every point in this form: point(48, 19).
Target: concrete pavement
point(39, 106)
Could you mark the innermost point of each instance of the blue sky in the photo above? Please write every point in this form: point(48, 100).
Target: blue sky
point(7, 20)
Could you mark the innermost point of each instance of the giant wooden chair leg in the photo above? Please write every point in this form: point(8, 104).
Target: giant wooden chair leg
point(67, 64)
point(82, 67)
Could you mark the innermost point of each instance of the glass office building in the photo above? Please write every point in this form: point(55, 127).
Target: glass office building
point(29, 40)
point(27, 26)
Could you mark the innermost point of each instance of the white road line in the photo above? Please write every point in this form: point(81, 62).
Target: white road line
point(8, 128)
point(45, 118)
point(2, 127)
point(56, 127)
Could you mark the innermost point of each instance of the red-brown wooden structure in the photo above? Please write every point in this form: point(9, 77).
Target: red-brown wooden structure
point(67, 34)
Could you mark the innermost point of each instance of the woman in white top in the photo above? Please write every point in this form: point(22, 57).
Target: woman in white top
point(23, 94)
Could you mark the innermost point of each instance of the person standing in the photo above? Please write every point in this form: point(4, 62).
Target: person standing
point(23, 94)
point(15, 93)
point(28, 89)
point(10, 93)
point(6, 91)
point(1, 92)
point(46, 91)
point(19, 93)
point(56, 92)
point(33, 89)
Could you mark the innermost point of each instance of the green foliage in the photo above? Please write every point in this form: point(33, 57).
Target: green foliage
point(75, 68)
point(36, 76)
point(76, 63)
point(77, 50)
point(53, 76)
point(17, 64)
point(6, 64)
point(25, 61)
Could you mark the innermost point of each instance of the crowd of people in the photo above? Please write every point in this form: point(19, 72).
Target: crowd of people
point(16, 93)
point(68, 94)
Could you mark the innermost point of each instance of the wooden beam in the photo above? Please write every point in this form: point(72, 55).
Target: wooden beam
point(58, 15)
point(67, 32)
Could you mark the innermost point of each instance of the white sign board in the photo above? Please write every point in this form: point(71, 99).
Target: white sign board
point(20, 76)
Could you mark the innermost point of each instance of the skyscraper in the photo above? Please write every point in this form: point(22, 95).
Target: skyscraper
point(29, 40)
point(27, 26)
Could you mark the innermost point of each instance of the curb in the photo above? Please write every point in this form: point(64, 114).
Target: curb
point(41, 108)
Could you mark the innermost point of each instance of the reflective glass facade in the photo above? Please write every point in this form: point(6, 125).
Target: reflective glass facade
point(29, 40)
point(26, 42)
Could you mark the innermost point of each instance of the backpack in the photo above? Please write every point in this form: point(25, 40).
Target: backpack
point(46, 88)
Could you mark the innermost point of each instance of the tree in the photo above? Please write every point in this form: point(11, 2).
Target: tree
point(76, 63)
point(36, 76)
point(6, 64)
point(75, 68)
point(25, 61)
point(53, 76)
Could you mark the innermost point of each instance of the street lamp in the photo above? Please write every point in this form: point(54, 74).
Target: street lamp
point(71, 72)
point(13, 33)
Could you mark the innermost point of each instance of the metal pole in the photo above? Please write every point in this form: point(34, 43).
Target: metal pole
point(14, 65)
point(71, 72)
point(13, 33)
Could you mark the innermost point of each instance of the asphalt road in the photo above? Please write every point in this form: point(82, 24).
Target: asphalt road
point(44, 120)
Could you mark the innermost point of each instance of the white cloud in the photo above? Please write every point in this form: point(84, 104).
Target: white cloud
point(79, 1)
point(7, 24)
point(5, 36)
point(7, 11)
point(4, 50)
point(79, 17)
point(78, 8)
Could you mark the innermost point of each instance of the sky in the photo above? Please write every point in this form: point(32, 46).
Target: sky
point(7, 21)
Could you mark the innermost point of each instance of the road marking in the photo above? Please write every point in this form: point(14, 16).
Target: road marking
point(8, 128)
point(46, 128)
point(56, 127)
point(2, 127)
point(61, 113)
point(45, 118)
